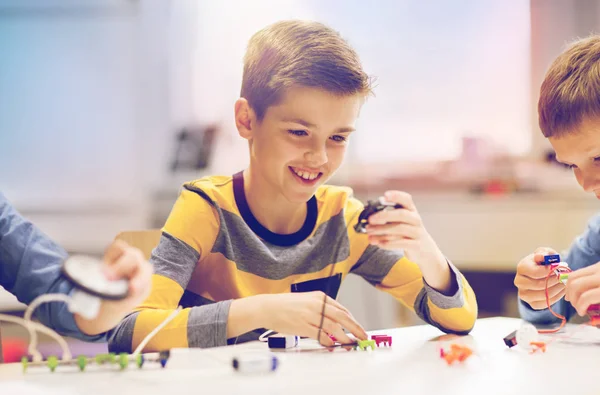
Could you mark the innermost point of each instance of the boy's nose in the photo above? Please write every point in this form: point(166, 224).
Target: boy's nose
point(316, 157)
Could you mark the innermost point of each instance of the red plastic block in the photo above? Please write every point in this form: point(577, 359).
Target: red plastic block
point(385, 339)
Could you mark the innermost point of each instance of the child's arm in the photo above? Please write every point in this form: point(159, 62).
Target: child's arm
point(421, 277)
point(584, 252)
point(395, 274)
point(30, 266)
point(192, 228)
point(212, 324)
point(530, 281)
point(122, 261)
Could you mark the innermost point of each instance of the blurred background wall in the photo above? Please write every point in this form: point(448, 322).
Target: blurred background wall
point(108, 106)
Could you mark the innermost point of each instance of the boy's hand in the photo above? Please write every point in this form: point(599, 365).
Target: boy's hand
point(403, 229)
point(530, 280)
point(300, 314)
point(123, 261)
point(583, 288)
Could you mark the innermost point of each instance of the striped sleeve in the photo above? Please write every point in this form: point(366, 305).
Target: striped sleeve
point(191, 228)
point(402, 278)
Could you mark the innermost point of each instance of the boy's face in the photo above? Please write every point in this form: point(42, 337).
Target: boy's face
point(301, 141)
point(581, 151)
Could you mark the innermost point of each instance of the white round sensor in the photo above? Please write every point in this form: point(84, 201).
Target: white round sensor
point(86, 274)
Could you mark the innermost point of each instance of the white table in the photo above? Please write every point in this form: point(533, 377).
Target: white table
point(412, 365)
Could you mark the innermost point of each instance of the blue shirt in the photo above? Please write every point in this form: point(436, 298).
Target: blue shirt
point(30, 264)
point(585, 251)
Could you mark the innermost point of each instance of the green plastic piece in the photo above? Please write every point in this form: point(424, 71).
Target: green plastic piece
point(25, 363)
point(364, 344)
point(81, 362)
point(101, 358)
point(563, 278)
point(112, 357)
point(139, 360)
point(52, 363)
point(123, 360)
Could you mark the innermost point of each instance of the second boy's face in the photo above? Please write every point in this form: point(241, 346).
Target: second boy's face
point(301, 141)
point(581, 151)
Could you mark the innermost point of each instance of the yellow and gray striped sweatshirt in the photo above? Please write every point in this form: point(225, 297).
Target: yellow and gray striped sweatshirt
point(213, 250)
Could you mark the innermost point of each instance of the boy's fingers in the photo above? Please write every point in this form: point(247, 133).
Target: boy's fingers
point(540, 302)
point(322, 337)
point(346, 321)
point(337, 304)
point(583, 272)
point(530, 296)
point(399, 215)
point(394, 229)
point(587, 299)
point(524, 282)
point(528, 267)
point(579, 286)
point(126, 265)
point(402, 198)
point(114, 251)
point(336, 330)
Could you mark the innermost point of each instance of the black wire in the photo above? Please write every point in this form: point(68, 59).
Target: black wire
point(335, 255)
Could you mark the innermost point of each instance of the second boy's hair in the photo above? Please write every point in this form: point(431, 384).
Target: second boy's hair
point(570, 92)
point(299, 53)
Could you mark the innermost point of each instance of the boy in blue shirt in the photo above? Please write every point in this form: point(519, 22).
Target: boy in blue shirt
point(30, 265)
point(569, 116)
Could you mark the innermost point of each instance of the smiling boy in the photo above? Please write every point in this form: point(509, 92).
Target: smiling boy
point(254, 250)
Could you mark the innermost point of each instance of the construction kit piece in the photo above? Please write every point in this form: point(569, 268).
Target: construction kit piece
point(255, 363)
point(549, 259)
point(536, 346)
point(386, 340)
point(364, 344)
point(511, 339)
point(456, 353)
point(122, 360)
point(372, 207)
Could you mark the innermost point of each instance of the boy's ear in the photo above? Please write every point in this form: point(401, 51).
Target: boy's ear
point(244, 118)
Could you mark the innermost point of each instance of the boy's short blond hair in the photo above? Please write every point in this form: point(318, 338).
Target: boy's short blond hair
point(299, 53)
point(570, 92)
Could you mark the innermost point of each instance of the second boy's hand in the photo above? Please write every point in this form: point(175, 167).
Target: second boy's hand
point(403, 229)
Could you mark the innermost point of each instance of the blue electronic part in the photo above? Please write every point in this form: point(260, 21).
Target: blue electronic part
point(283, 341)
point(550, 259)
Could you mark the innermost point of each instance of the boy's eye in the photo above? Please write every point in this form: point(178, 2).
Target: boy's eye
point(338, 138)
point(298, 132)
point(572, 166)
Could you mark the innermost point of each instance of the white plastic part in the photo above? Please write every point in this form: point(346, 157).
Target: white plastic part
point(265, 335)
point(84, 304)
point(86, 272)
point(33, 339)
point(526, 334)
point(33, 327)
point(255, 363)
point(283, 341)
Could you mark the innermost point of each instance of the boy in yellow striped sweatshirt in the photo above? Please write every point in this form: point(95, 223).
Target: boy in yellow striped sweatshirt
point(255, 250)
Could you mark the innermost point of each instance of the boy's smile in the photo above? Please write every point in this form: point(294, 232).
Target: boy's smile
point(306, 176)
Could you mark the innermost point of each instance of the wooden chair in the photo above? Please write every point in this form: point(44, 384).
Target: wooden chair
point(145, 240)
